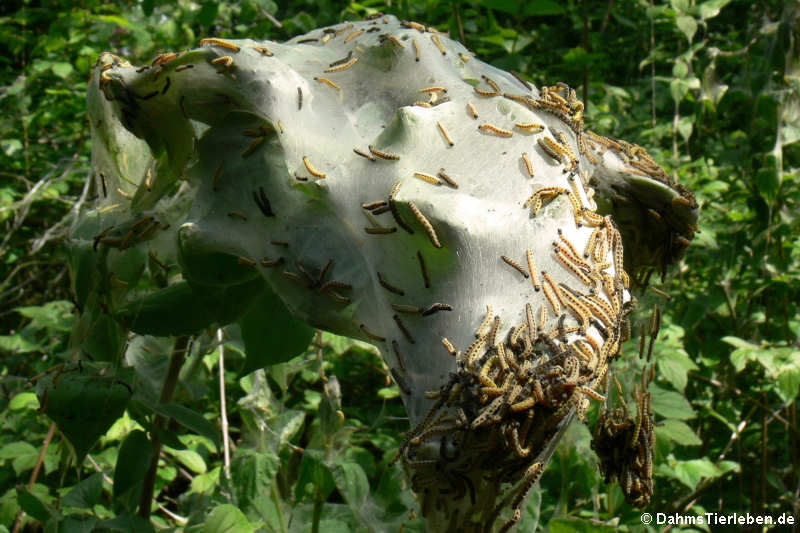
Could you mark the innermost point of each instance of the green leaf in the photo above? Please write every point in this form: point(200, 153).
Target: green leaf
point(671, 404)
point(576, 525)
point(190, 419)
point(55, 315)
point(678, 88)
point(87, 493)
point(133, 460)
point(685, 127)
point(34, 506)
point(673, 361)
point(10, 146)
point(768, 182)
point(22, 454)
point(126, 523)
point(252, 476)
point(271, 334)
point(227, 519)
point(24, 400)
point(687, 25)
point(78, 524)
point(711, 8)
point(62, 69)
point(286, 425)
point(789, 382)
point(679, 432)
point(103, 337)
point(206, 483)
point(353, 485)
point(174, 310)
point(208, 13)
point(740, 343)
point(691, 472)
point(83, 405)
point(190, 459)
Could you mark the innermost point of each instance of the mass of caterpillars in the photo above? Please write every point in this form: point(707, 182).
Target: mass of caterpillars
point(510, 394)
point(625, 444)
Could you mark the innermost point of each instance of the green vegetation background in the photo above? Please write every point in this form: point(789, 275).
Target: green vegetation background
point(710, 88)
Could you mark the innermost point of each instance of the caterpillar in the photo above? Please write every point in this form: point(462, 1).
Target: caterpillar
point(382, 154)
point(445, 133)
point(514, 265)
point(344, 66)
point(213, 41)
point(429, 229)
point(328, 82)
point(312, 170)
point(500, 132)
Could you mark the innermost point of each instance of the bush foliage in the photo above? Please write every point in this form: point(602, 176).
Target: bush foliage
point(711, 88)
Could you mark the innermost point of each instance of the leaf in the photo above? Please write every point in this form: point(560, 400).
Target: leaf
point(190, 419)
point(740, 343)
point(103, 338)
point(531, 513)
point(744, 352)
point(789, 383)
point(56, 315)
point(678, 88)
point(174, 310)
point(691, 472)
point(87, 493)
point(133, 460)
point(22, 454)
point(711, 8)
point(353, 485)
point(286, 425)
point(83, 405)
point(78, 524)
point(252, 475)
point(687, 25)
point(126, 523)
point(674, 363)
point(206, 483)
point(679, 432)
point(576, 525)
point(62, 69)
point(685, 127)
point(227, 519)
point(34, 506)
point(671, 404)
point(271, 334)
point(190, 459)
point(10, 146)
point(24, 400)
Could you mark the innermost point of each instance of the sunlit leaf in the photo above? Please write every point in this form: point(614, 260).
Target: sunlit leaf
point(227, 518)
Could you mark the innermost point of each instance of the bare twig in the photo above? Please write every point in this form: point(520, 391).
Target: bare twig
point(460, 26)
point(269, 17)
point(179, 519)
point(66, 224)
point(223, 410)
point(36, 470)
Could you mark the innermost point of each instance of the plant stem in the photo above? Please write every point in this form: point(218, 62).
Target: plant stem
point(36, 470)
point(277, 501)
point(317, 511)
point(223, 409)
point(160, 422)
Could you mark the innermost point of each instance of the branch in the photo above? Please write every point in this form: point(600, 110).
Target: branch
point(160, 422)
point(223, 409)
